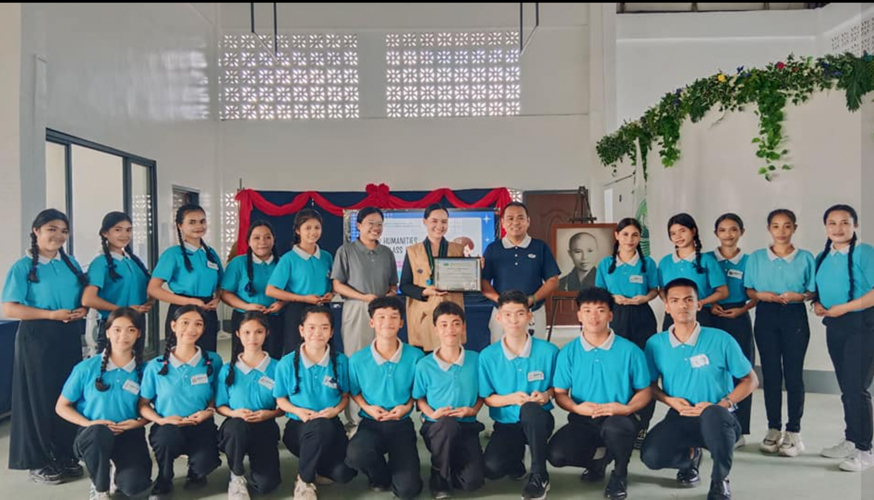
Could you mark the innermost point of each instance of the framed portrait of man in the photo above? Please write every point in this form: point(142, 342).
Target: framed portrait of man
point(578, 248)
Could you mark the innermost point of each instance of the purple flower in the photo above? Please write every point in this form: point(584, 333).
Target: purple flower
point(740, 68)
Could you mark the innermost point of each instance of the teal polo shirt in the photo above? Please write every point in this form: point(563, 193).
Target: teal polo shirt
point(117, 404)
point(735, 270)
point(128, 290)
point(317, 385)
point(766, 272)
point(236, 278)
point(833, 276)
point(448, 384)
point(628, 279)
point(201, 281)
point(384, 382)
point(252, 388)
point(672, 267)
point(303, 274)
point(58, 287)
point(185, 389)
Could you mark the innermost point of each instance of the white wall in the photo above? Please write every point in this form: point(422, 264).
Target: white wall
point(10, 133)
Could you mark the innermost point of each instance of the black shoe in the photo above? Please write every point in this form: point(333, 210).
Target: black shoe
point(161, 489)
point(638, 441)
point(536, 488)
point(689, 477)
point(719, 490)
point(440, 487)
point(617, 488)
point(194, 482)
point(70, 469)
point(46, 475)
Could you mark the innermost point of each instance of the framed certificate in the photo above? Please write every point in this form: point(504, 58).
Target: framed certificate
point(457, 274)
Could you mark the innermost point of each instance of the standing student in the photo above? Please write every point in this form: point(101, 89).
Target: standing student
point(381, 378)
point(515, 380)
point(417, 279)
point(732, 314)
point(632, 278)
point(117, 278)
point(192, 272)
point(303, 276)
point(101, 398)
point(696, 365)
point(178, 395)
point(602, 381)
point(244, 285)
point(687, 261)
point(781, 277)
point(519, 262)
point(245, 397)
point(43, 290)
point(845, 284)
point(446, 392)
point(312, 387)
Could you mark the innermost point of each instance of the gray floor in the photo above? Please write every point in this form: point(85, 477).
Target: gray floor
point(754, 475)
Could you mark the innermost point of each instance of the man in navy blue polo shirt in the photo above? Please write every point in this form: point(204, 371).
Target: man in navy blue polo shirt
point(696, 365)
point(519, 262)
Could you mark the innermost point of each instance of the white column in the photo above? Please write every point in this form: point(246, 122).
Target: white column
point(10, 134)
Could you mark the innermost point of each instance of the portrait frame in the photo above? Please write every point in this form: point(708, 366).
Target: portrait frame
point(587, 252)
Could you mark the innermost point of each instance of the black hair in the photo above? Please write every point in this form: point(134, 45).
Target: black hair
point(595, 295)
point(364, 212)
point(434, 207)
point(728, 216)
point(250, 265)
point(385, 302)
point(782, 211)
point(139, 323)
point(43, 218)
point(333, 352)
point(180, 217)
point(237, 344)
point(109, 221)
point(514, 204)
point(448, 308)
point(170, 341)
point(512, 297)
point(628, 221)
point(681, 282)
point(302, 217)
point(828, 243)
point(688, 222)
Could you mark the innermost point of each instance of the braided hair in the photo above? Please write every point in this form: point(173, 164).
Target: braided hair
point(308, 214)
point(180, 217)
point(688, 222)
point(109, 221)
point(171, 340)
point(43, 218)
point(333, 352)
point(139, 323)
point(250, 266)
point(828, 243)
point(628, 221)
point(237, 344)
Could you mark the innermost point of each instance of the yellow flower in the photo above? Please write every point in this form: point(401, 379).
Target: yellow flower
point(721, 78)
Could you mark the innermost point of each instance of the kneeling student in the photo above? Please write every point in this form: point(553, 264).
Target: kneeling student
point(602, 381)
point(446, 392)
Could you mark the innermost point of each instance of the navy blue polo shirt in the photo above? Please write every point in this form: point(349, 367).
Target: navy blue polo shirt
point(524, 267)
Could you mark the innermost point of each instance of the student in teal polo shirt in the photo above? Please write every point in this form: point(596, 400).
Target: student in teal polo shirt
point(244, 284)
point(117, 278)
point(303, 276)
point(192, 272)
point(101, 398)
point(696, 365)
point(515, 380)
point(312, 387)
point(245, 396)
point(687, 261)
point(43, 290)
point(446, 392)
point(781, 277)
point(845, 286)
point(178, 396)
point(602, 380)
point(732, 314)
point(381, 378)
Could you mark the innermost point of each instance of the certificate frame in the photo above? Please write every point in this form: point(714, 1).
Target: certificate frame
point(467, 264)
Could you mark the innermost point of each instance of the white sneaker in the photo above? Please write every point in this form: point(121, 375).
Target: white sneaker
point(112, 487)
point(237, 489)
point(792, 445)
point(304, 491)
point(772, 441)
point(861, 460)
point(97, 495)
point(844, 449)
point(740, 442)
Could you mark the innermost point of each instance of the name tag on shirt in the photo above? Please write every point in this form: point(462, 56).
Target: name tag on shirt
point(636, 279)
point(699, 361)
point(199, 379)
point(212, 265)
point(535, 376)
point(131, 387)
point(267, 382)
point(736, 274)
point(328, 381)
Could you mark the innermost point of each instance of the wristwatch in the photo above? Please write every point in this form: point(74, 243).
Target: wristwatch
point(731, 406)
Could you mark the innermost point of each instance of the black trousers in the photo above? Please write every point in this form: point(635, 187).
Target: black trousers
point(704, 316)
point(455, 452)
point(741, 329)
point(668, 444)
point(575, 444)
point(321, 445)
point(45, 353)
point(850, 341)
point(506, 448)
point(637, 324)
point(238, 438)
point(291, 321)
point(97, 446)
point(782, 334)
point(199, 442)
point(209, 340)
point(373, 441)
point(274, 342)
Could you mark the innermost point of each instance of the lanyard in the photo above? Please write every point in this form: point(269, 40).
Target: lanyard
point(443, 250)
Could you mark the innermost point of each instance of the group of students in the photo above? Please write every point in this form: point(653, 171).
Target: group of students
point(608, 384)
